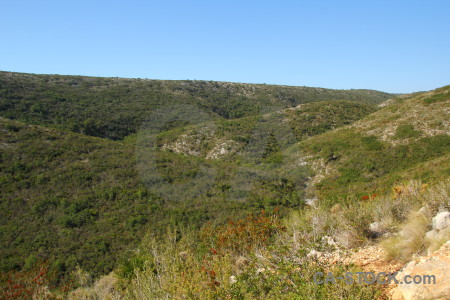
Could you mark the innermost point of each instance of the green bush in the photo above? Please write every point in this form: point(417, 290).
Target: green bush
point(406, 131)
point(437, 98)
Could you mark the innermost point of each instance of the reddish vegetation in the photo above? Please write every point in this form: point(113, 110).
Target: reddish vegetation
point(26, 284)
point(367, 197)
point(242, 235)
point(237, 237)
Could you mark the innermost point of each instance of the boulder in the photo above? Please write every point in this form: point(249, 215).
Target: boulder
point(376, 229)
point(441, 220)
point(437, 264)
point(432, 234)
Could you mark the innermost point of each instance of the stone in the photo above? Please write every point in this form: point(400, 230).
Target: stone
point(432, 234)
point(376, 229)
point(346, 238)
point(314, 254)
point(423, 210)
point(441, 220)
point(311, 202)
point(437, 264)
point(329, 241)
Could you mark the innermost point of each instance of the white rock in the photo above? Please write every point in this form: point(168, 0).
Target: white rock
point(441, 220)
point(423, 210)
point(329, 241)
point(432, 234)
point(376, 227)
point(311, 202)
point(314, 253)
point(437, 265)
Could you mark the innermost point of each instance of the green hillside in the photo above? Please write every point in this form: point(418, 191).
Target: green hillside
point(94, 170)
point(239, 138)
point(116, 107)
point(407, 139)
point(80, 200)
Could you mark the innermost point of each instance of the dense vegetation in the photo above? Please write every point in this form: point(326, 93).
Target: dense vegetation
point(79, 200)
point(258, 136)
point(94, 171)
point(74, 199)
point(116, 107)
point(386, 148)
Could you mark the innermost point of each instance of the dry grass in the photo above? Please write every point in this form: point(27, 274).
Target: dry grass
point(105, 288)
point(411, 239)
point(435, 243)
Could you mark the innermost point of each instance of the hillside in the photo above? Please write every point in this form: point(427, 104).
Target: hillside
point(108, 174)
point(379, 184)
point(407, 139)
point(116, 107)
point(239, 138)
point(58, 185)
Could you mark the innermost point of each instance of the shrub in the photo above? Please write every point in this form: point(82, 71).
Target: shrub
point(406, 131)
point(242, 235)
point(39, 282)
point(411, 239)
point(437, 98)
point(372, 143)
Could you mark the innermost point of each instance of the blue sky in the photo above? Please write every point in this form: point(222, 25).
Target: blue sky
point(394, 46)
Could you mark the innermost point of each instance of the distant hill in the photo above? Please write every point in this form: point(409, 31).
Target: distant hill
point(116, 107)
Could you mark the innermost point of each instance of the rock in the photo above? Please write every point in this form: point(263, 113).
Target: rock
point(314, 254)
point(423, 210)
point(441, 220)
point(329, 241)
point(437, 264)
point(397, 295)
point(233, 279)
point(346, 238)
point(376, 229)
point(432, 234)
point(311, 202)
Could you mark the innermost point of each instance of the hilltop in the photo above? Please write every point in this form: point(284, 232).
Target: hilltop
point(116, 107)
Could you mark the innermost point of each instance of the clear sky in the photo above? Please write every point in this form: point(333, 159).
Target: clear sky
point(393, 46)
